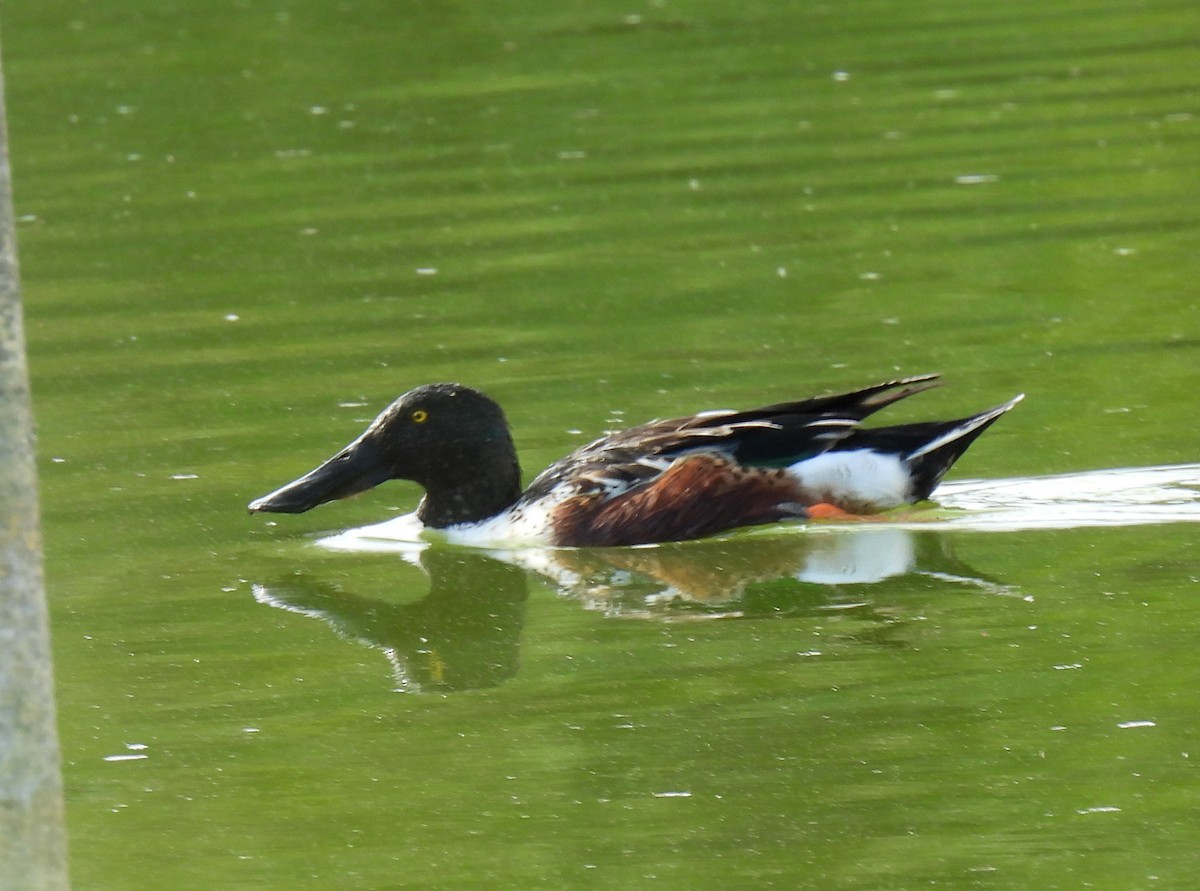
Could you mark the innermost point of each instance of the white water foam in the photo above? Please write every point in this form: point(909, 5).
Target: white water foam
point(1126, 496)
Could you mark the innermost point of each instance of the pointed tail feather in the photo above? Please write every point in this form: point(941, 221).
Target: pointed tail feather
point(965, 430)
point(930, 461)
point(928, 449)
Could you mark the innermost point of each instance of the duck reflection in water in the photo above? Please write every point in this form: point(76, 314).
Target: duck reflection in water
point(462, 635)
point(465, 633)
point(758, 576)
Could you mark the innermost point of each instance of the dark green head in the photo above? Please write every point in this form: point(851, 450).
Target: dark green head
point(451, 439)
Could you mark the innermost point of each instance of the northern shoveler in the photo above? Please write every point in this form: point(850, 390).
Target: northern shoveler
point(661, 481)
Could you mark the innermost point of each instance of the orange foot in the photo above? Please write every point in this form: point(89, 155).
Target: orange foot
point(823, 510)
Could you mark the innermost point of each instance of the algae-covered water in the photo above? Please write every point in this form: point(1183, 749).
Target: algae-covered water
point(247, 226)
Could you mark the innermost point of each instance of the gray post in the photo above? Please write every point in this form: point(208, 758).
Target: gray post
point(33, 850)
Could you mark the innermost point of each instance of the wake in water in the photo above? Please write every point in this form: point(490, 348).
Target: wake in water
point(1129, 496)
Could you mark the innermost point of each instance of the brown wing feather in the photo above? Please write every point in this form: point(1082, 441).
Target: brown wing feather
point(769, 435)
point(698, 495)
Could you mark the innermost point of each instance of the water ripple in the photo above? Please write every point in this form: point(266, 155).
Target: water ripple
point(1126, 496)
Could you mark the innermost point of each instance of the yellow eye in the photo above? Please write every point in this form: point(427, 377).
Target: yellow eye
point(420, 416)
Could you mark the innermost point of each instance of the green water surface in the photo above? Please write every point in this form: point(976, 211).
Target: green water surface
point(247, 226)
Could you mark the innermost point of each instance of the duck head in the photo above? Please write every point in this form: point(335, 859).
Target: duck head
point(450, 439)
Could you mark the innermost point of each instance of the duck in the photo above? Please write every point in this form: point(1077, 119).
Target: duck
point(666, 480)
